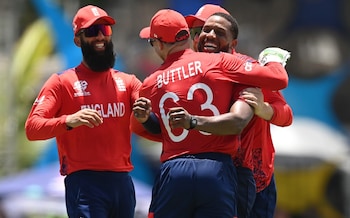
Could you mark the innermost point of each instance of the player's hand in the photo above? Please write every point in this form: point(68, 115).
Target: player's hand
point(179, 118)
point(142, 109)
point(254, 97)
point(86, 117)
point(274, 54)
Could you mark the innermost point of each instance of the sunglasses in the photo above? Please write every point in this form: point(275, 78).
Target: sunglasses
point(151, 41)
point(94, 30)
point(195, 32)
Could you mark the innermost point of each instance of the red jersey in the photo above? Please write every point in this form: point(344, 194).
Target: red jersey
point(257, 151)
point(263, 149)
point(243, 157)
point(106, 147)
point(202, 83)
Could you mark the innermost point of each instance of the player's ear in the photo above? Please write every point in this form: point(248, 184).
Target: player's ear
point(77, 41)
point(234, 43)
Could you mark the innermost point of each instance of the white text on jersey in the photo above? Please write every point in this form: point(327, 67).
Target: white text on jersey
point(179, 73)
point(109, 110)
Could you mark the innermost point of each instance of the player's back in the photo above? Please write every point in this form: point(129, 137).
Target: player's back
point(194, 81)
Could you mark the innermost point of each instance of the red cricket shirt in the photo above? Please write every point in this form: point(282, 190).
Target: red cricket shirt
point(204, 84)
point(103, 148)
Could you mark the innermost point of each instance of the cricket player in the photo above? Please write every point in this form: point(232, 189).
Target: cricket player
point(87, 109)
point(197, 156)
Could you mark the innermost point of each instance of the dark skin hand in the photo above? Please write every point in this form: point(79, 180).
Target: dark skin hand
point(255, 98)
point(142, 108)
point(179, 118)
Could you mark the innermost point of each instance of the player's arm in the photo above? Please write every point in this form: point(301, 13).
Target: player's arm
point(268, 105)
point(43, 122)
point(231, 123)
point(283, 114)
point(140, 130)
point(268, 73)
point(135, 126)
point(255, 98)
point(142, 111)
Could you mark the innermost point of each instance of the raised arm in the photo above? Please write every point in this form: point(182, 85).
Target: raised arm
point(269, 73)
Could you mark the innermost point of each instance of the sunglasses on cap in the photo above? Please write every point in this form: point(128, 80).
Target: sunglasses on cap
point(195, 31)
point(94, 30)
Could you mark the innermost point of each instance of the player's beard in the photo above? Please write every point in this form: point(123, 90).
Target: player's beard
point(225, 48)
point(98, 61)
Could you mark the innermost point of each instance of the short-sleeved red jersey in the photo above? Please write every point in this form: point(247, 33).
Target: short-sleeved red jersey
point(106, 147)
point(204, 84)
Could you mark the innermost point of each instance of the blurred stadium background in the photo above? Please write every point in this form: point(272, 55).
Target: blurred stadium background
point(312, 156)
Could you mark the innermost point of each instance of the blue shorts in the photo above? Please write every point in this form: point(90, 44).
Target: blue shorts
point(246, 192)
point(91, 194)
point(265, 202)
point(195, 186)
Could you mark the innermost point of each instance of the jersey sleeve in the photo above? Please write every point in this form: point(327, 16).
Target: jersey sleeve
point(283, 114)
point(135, 88)
point(272, 76)
point(41, 122)
point(138, 129)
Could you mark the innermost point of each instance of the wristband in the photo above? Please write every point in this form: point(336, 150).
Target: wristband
point(152, 124)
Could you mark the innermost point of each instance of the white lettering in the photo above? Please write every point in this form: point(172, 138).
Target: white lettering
point(191, 69)
point(159, 81)
point(39, 101)
point(166, 78)
point(184, 72)
point(109, 110)
point(197, 66)
point(248, 66)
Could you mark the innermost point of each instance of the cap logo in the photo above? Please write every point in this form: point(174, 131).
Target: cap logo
point(95, 12)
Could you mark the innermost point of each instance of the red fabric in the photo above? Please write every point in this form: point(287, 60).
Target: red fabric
point(165, 25)
point(89, 15)
point(263, 149)
point(208, 80)
point(106, 147)
point(257, 151)
point(204, 13)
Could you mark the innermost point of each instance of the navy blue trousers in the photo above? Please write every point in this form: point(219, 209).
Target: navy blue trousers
point(94, 194)
point(195, 186)
point(265, 202)
point(246, 192)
